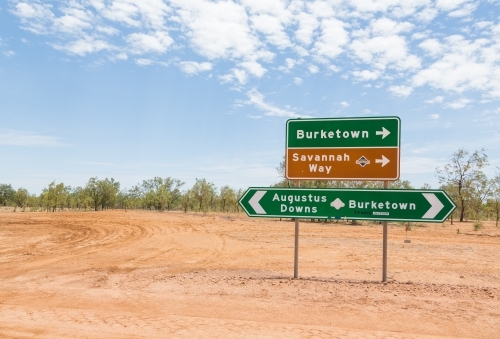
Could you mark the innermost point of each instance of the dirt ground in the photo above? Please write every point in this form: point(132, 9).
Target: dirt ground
point(140, 274)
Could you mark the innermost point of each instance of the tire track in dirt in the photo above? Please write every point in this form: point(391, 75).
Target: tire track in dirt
point(172, 275)
point(88, 324)
point(80, 246)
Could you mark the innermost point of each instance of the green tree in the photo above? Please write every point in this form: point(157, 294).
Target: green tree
point(463, 172)
point(134, 197)
point(161, 193)
point(480, 193)
point(495, 197)
point(21, 197)
point(203, 192)
point(6, 194)
point(227, 198)
point(102, 193)
point(80, 198)
point(109, 189)
point(54, 196)
point(186, 200)
point(32, 202)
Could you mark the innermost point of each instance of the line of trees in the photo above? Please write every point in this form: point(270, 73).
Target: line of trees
point(477, 196)
point(158, 194)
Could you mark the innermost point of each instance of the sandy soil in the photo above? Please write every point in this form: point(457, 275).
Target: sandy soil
point(141, 274)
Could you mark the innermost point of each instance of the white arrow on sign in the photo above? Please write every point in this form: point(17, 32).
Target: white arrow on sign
point(254, 202)
point(384, 161)
point(436, 205)
point(383, 132)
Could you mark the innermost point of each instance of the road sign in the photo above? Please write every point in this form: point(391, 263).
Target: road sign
point(353, 204)
point(343, 148)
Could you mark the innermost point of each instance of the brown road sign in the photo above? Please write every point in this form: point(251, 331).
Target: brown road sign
point(343, 149)
point(343, 163)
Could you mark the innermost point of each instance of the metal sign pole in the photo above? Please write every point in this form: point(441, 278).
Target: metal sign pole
point(384, 246)
point(296, 252)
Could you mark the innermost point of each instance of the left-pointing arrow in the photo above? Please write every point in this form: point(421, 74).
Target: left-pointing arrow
point(436, 205)
point(254, 202)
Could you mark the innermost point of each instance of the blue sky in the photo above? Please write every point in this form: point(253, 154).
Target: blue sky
point(191, 89)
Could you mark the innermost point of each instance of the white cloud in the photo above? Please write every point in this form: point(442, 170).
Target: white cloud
point(84, 46)
point(437, 99)
point(401, 91)
point(366, 75)
point(25, 138)
point(334, 68)
point(398, 8)
point(108, 30)
point(308, 24)
point(253, 68)
point(380, 46)
point(155, 42)
point(9, 54)
point(235, 74)
point(434, 116)
point(462, 65)
point(74, 21)
point(332, 39)
point(458, 104)
point(466, 10)
point(146, 13)
point(380, 39)
point(34, 17)
point(344, 104)
point(271, 26)
point(432, 47)
point(217, 29)
point(289, 64)
point(144, 62)
point(419, 35)
point(121, 56)
point(449, 5)
point(193, 67)
point(297, 81)
point(313, 69)
point(427, 14)
point(256, 99)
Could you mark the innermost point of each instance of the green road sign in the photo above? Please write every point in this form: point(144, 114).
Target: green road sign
point(343, 132)
point(352, 204)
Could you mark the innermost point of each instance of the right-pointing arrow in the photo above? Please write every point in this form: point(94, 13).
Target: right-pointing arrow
point(254, 202)
point(383, 132)
point(384, 161)
point(436, 205)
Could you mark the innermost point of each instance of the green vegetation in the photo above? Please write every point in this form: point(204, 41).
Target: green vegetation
point(160, 194)
point(477, 197)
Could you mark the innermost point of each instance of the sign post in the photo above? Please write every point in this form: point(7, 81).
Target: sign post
point(345, 149)
point(296, 248)
point(384, 245)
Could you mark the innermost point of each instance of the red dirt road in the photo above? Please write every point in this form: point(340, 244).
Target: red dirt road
point(141, 274)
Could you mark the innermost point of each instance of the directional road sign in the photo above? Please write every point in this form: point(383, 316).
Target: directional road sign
point(357, 204)
point(343, 148)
